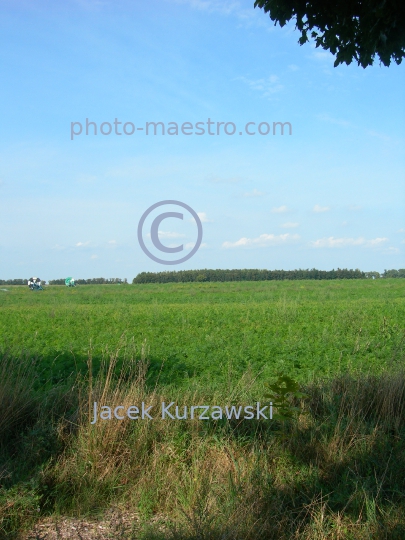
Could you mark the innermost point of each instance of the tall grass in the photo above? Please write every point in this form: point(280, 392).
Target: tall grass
point(29, 424)
point(17, 400)
point(337, 471)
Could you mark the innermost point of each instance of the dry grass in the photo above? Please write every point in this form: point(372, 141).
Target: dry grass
point(337, 472)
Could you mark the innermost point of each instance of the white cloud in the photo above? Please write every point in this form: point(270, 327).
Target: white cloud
point(247, 16)
point(263, 240)
point(94, 257)
point(322, 55)
point(401, 230)
point(168, 234)
point(254, 193)
point(218, 6)
point(203, 217)
point(333, 242)
point(332, 120)
point(377, 242)
point(267, 87)
point(81, 244)
point(289, 225)
point(317, 209)
point(391, 249)
point(381, 136)
point(279, 210)
point(293, 67)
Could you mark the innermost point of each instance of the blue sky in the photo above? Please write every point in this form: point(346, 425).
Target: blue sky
point(330, 195)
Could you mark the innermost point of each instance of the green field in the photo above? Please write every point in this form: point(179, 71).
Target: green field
point(211, 330)
point(330, 466)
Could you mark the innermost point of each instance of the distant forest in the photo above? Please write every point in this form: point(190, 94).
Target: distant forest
point(92, 281)
point(187, 276)
point(183, 276)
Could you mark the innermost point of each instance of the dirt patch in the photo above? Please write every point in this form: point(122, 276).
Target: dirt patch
point(115, 524)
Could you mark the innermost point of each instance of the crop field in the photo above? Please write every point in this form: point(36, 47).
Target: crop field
point(209, 331)
point(330, 465)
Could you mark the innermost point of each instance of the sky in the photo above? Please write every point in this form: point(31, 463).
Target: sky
point(329, 192)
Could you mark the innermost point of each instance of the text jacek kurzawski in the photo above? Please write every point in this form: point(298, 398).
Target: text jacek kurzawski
point(171, 411)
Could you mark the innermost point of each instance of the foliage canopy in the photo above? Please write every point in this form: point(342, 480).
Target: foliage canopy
point(350, 29)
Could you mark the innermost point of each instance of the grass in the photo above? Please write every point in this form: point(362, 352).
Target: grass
point(336, 471)
point(211, 331)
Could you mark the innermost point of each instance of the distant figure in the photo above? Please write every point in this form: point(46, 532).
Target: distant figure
point(34, 284)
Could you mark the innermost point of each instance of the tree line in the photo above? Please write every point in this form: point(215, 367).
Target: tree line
point(92, 281)
point(13, 281)
point(394, 273)
point(183, 276)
